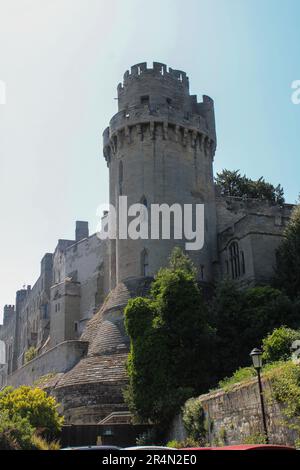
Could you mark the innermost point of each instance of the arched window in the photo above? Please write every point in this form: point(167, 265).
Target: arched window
point(120, 178)
point(145, 263)
point(234, 261)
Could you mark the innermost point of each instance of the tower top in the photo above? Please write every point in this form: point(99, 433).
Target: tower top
point(156, 86)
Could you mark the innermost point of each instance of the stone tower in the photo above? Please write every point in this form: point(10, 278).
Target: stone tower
point(159, 148)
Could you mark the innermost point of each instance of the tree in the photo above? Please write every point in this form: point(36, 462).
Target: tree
point(243, 318)
point(32, 404)
point(277, 345)
point(287, 273)
point(232, 183)
point(170, 343)
point(16, 433)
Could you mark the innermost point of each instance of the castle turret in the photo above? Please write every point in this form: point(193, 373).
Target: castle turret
point(159, 148)
point(8, 314)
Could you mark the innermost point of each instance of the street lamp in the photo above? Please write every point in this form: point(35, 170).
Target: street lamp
point(256, 356)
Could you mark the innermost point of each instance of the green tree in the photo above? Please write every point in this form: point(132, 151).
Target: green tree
point(16, 433)
point(277, 345)
point(243, 318)
point(170, 343)
point(287, 275)
point(232, 183)
point(33, 404)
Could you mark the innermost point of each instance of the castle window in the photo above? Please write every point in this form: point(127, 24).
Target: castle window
point(145, 100)
point(121, 178)
point(169, 101)
point(243, 263)
point(236, 261)
point(202, 272)
point(145, 263)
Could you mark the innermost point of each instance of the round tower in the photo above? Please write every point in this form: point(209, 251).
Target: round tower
point(159, 148)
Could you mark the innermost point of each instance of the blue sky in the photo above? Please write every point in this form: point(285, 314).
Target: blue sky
point(61, 61)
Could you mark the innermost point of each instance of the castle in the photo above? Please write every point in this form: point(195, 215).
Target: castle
point(159, 148)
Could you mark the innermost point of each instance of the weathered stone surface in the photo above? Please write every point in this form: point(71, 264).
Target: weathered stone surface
point(233, 416)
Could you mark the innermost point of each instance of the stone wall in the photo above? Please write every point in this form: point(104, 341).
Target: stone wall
point(235, 415)
point(61, 358)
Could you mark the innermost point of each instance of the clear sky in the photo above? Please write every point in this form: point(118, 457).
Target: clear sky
point(61, 61)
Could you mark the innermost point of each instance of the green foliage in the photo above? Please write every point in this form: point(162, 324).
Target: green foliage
point(16, 433)
point(244, 374)
point(240, 375)
point(33, 404)
point(30, 354)
point(287, 275)
point(243, 318)
point(39, 443)
point(255, 438)
point(193, 418)
point(286, 388)
point(285, 382)
point(277, 345)
point(170, 344)
point(232, 183)
point(188, 442)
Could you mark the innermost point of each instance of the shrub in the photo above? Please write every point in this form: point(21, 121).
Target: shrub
point(277, 345)
point(255, 438)
point(33, 404)
point(15, 432)
point(240, 375)
point(39, 443)
point(30, 354)
point(193, 418)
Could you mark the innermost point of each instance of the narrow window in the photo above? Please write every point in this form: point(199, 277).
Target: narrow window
point(235, 264)
point(121, 178)
point(145, 263)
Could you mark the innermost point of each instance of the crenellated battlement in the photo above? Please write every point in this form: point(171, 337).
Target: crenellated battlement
point(158, 70)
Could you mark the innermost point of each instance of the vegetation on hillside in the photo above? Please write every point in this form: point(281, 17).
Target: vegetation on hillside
point(232, 183)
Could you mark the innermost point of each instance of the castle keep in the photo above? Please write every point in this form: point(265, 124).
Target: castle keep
point(159, 149)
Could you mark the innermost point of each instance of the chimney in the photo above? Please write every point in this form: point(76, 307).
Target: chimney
point(82, 230)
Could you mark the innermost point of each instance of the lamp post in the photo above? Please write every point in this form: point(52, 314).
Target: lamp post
point(256, 356)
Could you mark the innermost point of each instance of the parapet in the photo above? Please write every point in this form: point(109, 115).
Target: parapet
point(156, 85)
point(158, 70)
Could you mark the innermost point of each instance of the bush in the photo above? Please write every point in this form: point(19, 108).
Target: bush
point(193, 418)
point(39, 443)
point(35, 405)
point(240, 375)
point(30, 354)
point(255, 438)
point(277, 345)
point(15, 432)
point(188, 442)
